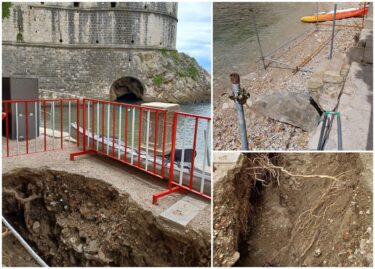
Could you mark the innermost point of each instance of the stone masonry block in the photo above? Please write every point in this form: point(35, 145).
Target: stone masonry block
point(367, 57)
point(331, 76)
point(365, 37)
point(315, 82)
point(356, 54)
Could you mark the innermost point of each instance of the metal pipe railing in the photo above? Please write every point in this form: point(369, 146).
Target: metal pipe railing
point(21, 116)
point(24, 243)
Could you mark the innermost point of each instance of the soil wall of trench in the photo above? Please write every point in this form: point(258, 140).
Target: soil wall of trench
point(295, 221)
point(71, 220)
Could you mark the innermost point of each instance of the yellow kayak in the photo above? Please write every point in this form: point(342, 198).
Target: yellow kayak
point(340, 14)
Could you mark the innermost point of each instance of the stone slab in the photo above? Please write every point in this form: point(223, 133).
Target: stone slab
point(292, 108)
point(168, 106)
point(367, 56)
point(365, 37)
point(356, 54)
point(183, 211)
point(356, 112)
point(226, 157)
point(369, 24)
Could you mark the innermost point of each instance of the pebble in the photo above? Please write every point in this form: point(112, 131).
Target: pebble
point(317, 252)
point(36, 226)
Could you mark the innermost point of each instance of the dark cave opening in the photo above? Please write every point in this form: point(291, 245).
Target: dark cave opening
point(127, 89)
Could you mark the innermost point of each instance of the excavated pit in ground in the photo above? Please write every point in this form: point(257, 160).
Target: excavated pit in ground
point(71, 220)
point(300, 221)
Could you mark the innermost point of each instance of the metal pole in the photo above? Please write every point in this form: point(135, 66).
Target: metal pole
point(289, 65)
point(24, 243)
point(363, 17)
point(339, 131)
point(333, 31)
point(257, 34)
point(321, 142)
point(317, 15)
point(235, 80)
point(183, 151)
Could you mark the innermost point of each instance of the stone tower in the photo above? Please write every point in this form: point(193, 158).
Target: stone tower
point(115, 50)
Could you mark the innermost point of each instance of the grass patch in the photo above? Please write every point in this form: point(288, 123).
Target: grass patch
point(158, 80)
point(192, 71)
point(175, 55)
point(163, 51)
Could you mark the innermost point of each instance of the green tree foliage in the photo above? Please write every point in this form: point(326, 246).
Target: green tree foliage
point(6, 9)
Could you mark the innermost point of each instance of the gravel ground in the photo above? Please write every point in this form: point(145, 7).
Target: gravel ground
point(264, 133)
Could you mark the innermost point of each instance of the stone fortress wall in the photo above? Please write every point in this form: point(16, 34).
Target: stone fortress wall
point(100, 50)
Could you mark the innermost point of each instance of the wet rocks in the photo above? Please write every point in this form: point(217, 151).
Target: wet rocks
point(291, 108)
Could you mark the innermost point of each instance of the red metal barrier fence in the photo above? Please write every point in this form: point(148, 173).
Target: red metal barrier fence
point(198, 179)
point(141, 136)
point(22, 120)
point(129, 133)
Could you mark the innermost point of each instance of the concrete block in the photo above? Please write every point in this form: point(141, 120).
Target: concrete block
point(367, 56)
point(365, 37)
point(315, 82)
point(183, 211)
point(369, 23)
point(356, 54)
point(332, 76)
point(171, 108)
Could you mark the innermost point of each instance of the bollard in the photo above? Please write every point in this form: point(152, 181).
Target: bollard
point(239, 97)
point(333, 32)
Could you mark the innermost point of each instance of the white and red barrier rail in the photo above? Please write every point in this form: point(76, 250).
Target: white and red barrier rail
point(22, 118)
point(172, 145)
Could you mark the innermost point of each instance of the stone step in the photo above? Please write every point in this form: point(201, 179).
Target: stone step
point(365, 38)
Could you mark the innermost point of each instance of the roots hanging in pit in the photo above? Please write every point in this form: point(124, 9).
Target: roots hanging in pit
point(309, 224)
point(262, 165)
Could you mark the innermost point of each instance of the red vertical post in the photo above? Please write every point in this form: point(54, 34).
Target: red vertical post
point(193, 157)
point(93, 124)
point(163, 143)
point(27, 126)
point(173, 149)
point(78, 108)
point(45, 122)
point(103, 126)
point(7, 126)
point(139, 136)
point(84, 123)
point(155, 137)
point(113, 128)
point(126, 132)
point(61, 122)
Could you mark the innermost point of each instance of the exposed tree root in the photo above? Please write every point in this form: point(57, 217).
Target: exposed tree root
point(309, 223)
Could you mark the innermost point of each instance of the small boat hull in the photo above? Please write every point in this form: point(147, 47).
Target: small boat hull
point(340, 14)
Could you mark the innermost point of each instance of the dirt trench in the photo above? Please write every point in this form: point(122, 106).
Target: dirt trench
point(71, 220)
point(293, 220)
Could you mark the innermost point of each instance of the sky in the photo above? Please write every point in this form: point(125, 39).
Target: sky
point(194, 31)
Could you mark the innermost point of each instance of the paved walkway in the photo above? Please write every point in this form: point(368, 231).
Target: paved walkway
point(355, 106)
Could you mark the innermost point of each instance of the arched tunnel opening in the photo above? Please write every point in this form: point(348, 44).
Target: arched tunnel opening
point(127, 90)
